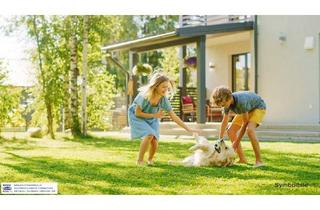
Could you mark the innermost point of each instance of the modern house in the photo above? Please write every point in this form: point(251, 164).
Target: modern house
point(276, 56)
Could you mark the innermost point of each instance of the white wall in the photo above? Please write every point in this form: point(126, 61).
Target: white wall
point(219, 51)
point(288, 75)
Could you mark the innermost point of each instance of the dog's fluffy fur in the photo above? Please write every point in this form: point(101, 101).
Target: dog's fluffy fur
point(207, 154)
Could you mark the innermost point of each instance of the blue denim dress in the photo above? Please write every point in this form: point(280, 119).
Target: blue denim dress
point(141, 127)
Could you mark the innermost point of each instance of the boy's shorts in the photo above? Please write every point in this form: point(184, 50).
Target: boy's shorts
point(255, 116)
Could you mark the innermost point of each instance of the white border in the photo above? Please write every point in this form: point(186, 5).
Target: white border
point(158, 202)
point(145, 7)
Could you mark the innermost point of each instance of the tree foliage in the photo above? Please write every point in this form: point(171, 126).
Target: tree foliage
point(170, 63)
point(154, 25)
point(51, 56)
point(100, 95)
point(9, 99)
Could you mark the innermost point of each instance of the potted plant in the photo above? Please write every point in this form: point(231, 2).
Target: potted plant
point(191, 62)
point(142, 69)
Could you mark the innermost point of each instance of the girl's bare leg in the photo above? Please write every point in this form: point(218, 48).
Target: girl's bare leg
point(143, 148)
point(152, 150)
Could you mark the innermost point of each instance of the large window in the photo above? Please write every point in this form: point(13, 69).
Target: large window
point(241, 78)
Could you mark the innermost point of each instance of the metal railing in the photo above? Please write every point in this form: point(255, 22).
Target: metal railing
point(204, 20)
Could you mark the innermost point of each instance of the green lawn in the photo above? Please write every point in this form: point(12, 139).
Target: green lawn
point(107, 166)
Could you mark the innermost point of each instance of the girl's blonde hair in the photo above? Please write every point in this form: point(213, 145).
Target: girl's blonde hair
point(148, 91)
point(221, 94)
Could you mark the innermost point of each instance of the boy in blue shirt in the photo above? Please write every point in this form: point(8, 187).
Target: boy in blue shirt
point(250, 110)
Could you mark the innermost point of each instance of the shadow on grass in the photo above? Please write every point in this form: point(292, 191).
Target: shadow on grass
point(91, 177)
point(13, 144)
point(116, 178)
point(73, 172)
point(129, 145)
point(308, 164)
point(14, 141)
point(286, 163)
point(290, 141)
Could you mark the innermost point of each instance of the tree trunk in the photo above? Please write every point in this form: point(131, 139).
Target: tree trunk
point(84, 75)
point(75, 123)
point(50, 119)
point(66, 102)
point(67, 83)
point(43, 82)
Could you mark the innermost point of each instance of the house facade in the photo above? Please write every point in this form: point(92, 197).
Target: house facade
point(283, 66)
point(276, 56)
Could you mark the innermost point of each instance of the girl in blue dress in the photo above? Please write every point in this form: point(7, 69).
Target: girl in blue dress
point(145, 114)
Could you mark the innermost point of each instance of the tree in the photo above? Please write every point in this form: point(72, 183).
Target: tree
point(153, 25)
point(84, 75)
point(8, 100)
point(49, 74)
point(26, 99)
point(105, 81)
point(101, 91)
point(170, 63)
point(110, 29)
point(57, 91)
point(74, 71)
point(157, 24)
point(48, 55)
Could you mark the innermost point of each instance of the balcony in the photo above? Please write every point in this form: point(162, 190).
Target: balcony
point(206, 20)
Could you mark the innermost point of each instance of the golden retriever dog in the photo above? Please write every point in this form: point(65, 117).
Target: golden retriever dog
point(207, 154)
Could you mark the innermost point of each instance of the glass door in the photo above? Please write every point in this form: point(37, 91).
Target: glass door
point(241, 78)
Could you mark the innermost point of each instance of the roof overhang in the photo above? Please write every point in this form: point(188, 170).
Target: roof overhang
point(214, 29)
point(181, 36)
point(151, 43)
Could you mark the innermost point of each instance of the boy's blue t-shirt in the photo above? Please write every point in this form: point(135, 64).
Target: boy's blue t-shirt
point(245, 101)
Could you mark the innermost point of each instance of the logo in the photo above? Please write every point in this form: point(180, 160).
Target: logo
point(6, 188)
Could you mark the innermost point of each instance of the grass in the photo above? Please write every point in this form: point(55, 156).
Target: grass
point(98, 165)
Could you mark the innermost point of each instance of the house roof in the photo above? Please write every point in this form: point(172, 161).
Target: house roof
point(214, 29)
point(180, 36)
point(151, 42)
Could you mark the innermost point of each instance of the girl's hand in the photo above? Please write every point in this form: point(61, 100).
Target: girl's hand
point(159, 114)
point(194, 131)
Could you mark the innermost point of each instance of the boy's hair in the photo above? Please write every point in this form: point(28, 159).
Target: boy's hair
point(221, 94)
point(148, 91)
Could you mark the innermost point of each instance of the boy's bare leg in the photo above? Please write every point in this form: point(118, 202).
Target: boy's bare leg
point(232, 133)
point(152, 150)
point(143, 148)
point(254, 142)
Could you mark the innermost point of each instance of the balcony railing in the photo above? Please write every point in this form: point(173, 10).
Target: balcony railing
point(204, 20)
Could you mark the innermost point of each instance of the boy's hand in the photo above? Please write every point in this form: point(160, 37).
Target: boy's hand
point(159, 114)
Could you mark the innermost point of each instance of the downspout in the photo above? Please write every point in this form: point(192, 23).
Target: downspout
point(255, 29)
